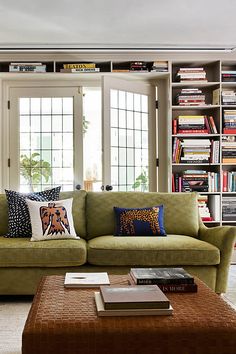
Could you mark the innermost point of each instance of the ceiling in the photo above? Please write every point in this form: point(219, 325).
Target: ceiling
point(127, 24)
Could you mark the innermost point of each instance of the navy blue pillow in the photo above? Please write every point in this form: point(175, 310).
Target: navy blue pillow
point(18, 213)
point(140, 221)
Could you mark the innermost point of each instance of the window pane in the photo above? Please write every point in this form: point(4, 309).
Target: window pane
point(56, 105)
point(24, 106)
point(35, 123)
point(67, 105)
point(46, 105)
point(35, 105)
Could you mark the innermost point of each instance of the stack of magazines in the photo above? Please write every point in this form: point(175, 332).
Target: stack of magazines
point(167, 279)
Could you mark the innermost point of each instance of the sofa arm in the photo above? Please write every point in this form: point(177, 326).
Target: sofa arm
point(223, 237)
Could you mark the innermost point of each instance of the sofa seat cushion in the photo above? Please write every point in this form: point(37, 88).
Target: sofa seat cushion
point(151, 251)
point(21, 252)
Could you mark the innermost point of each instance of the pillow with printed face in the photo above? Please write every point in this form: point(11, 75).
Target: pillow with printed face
point(18, 214)
point(51, 220)
point(139, 221)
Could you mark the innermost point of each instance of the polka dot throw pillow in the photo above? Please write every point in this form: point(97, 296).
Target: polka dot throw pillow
point(18, 213)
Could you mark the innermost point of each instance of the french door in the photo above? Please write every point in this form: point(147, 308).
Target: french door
point(129, 135)
point(46, 141)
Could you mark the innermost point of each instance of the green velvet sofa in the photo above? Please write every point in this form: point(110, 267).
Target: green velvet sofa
point(204, 252)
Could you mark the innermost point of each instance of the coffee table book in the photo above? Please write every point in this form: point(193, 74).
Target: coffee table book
point(101, 311)
point(133, 297)
point(161, 276)
point(86, 280)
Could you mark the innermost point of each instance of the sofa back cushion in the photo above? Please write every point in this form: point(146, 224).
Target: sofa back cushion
point(180, 211)
point(78, 210)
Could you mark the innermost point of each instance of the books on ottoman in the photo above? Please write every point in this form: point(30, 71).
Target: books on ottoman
point(86, 280)
point(167, 279)
point(133, 297)
point(101, 311)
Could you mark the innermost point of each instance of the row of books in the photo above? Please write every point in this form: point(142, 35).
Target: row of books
point(228, 149)
point(190, 75)
point(203, 208)
point(143, 296)
point(140, 66)
point(27, 67)
point(229, 208)
point(228, 97)
point(190, 97)
point(229, 181)
point(196, 181)
point(228, 75)
point(194, 124)
point(195, 151)
point(229, 121)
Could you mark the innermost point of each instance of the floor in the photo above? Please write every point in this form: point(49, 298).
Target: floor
point(14, 311)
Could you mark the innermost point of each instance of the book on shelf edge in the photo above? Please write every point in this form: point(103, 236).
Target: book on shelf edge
point(133, 297)
point(161, 276)
point(86, 280)
point(101, 311)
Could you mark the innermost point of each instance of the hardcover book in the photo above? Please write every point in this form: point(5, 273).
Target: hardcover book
point(101, 311)
point(161, 276)
point(86, 280)
point(133, 297)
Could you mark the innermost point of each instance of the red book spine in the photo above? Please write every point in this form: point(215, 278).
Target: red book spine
point(173, 182)
point(207, 125)
point(225, 181)
point(229, 131)
point(175, 126)
point(213, 125)
point(192, 131)
point(178, 288)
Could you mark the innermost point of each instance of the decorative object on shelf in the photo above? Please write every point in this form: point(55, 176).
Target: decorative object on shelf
point(80, 68)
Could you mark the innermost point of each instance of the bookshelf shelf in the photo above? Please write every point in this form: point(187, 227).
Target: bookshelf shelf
point(193, 108)
point(195, 84)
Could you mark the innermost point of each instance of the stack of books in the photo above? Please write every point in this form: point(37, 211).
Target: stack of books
point(27, 67)
point(190, 97)
point(229, 208)
point(167, 279)
point(191, 75)
point(80, 68)
point(196, 181)
point(195, 151)
point(228, 75)
point(228, 149)
point(194, 124)
point(203, 208)
point(132, 300)
point(228, 97)
point(139, 66)
point(86, 280)
point(160, 66)
point(229, 181)
point(229, 121)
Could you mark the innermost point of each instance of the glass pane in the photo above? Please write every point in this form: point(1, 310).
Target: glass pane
point(67, 105)
point(35, 123)
point(114, 137)
point(24, 106)
point(130, 120)
point(46, 123)
point(130, 175)
point(144, 121)
point(122, 175)
point(35, 141)
point(122, 137)
point(24, 124)
point(130, 101)
point(68, 158)
point(46, 105)
point(122, 157)
point(114, 156)
point(145, 139)
point(137, 102)
point(144, 100)
point(57, 123)
point(137, 138)
point(130, 157)
point(56, 140)
point(122, 119)
point(46, 141)
point(24, 140)
point(137, 120)
point(130, 138)
point(68, 141)
point(138, 157)
point(35, 105)
point(57, 158)
point(122, 101)
point(114, 176)
point(46, 155)
point(114, 118)
point(68, 123)
point(114, 98)
point(56, 105)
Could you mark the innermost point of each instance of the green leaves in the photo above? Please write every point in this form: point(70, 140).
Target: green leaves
point(141, 180)
point(33, 168)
